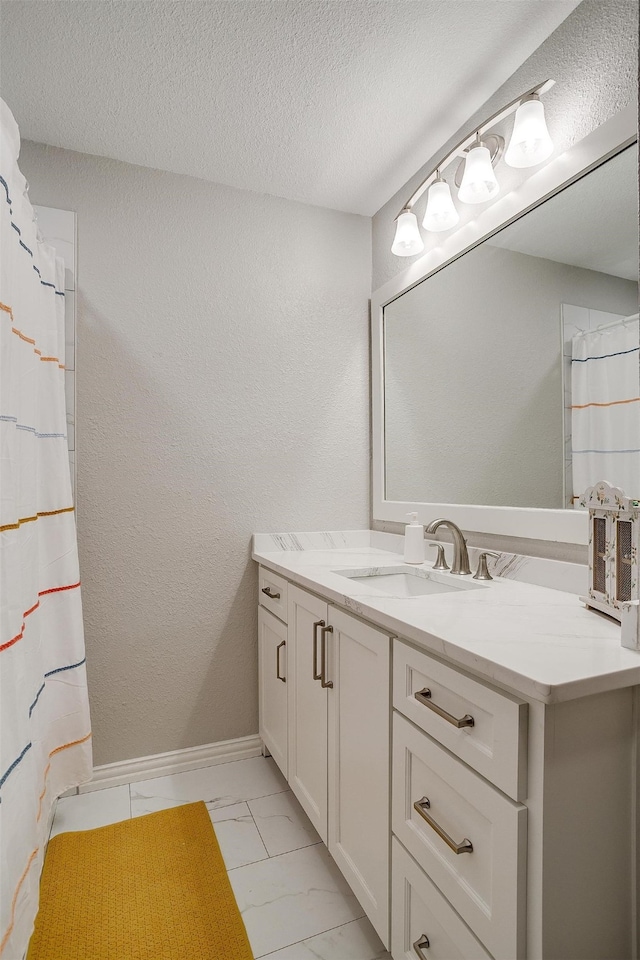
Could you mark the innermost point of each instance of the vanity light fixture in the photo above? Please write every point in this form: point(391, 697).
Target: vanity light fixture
point(407, 241)
point(530, 142)
point(479, 182)
point(441, 213)
point(476, 155)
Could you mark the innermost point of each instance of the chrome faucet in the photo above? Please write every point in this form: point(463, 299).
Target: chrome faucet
point(460, 555)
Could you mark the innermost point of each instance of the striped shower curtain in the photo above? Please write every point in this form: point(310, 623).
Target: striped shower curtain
point(605, 407)
point(45, 744)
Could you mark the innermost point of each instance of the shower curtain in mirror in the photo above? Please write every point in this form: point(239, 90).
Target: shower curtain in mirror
point(45, 744)
point(605, 407)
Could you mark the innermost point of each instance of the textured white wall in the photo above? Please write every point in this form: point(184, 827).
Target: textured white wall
point(473, 378)
point(222, 389)
point(592, 56)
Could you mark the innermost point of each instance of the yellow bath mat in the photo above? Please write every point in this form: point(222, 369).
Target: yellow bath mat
point(151, 888)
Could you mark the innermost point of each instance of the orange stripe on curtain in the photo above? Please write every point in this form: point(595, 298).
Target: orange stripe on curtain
point(65, 746)
point(34, 853)
point(9, 929)
point(70, 586)
point(19, 333)
point(43, 513)
point(612, 403)
point(42, 593)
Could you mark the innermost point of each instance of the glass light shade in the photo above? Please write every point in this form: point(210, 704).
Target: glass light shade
point(440, 214)
point(530, 142)
point(407, 241)
point(479, 182)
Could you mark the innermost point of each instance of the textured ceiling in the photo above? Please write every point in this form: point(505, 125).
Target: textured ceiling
point(332, 102)
point(592, 224)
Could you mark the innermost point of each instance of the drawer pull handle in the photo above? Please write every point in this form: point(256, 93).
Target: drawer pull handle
point(278, 649)
point(272, 596)
point(422, 943)
point(316, 674)
point(323, 658)
point(421, 807)
point(424, 697)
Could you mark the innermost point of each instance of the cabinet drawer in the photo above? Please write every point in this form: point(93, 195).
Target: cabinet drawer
point(495, 744)
point(272, 593)
point(485, 884)
point(420, 911)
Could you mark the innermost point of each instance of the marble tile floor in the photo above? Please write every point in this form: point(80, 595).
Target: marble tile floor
point(293, 899)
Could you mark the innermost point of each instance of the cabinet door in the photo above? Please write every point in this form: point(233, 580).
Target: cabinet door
point(307, 707)
point(359, 702)
point(272, 660)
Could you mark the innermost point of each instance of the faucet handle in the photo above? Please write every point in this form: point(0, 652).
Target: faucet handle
point(482, 573)
point(441, 563)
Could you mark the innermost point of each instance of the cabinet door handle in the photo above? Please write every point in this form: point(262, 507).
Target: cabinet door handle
point(424, 697)
point(278, 649)
point(323, 658)
point(421, 807)
point(316, 674)
point(422, 943)
point(272, 596)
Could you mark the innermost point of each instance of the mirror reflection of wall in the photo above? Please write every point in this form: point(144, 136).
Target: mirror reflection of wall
point(475, 390)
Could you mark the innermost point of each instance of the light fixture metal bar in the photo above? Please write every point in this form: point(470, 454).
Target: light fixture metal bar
point(460, 149)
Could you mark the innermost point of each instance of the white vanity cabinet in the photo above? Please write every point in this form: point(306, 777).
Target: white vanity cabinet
point(511, 823)
point(545, 838)
point(338, 738)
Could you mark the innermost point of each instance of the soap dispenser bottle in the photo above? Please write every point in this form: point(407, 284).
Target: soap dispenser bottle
point(413, 540)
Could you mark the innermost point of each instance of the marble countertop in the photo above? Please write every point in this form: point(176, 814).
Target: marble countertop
point(539, 642)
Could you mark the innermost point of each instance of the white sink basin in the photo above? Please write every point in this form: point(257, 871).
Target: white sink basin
point(407, 581)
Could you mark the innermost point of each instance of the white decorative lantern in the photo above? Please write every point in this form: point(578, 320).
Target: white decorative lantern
point(614, 541)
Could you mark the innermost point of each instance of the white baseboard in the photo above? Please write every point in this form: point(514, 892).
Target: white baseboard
point(176, 761)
